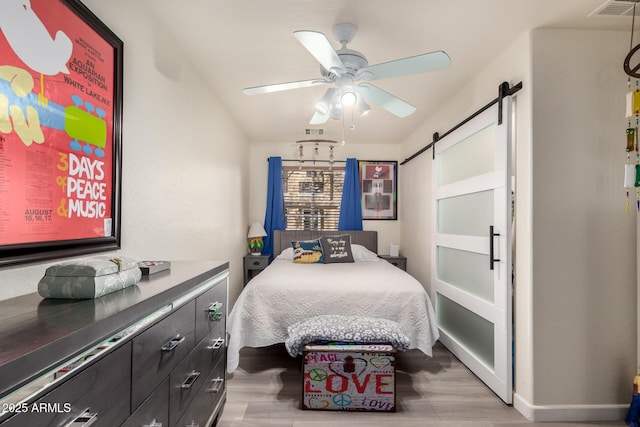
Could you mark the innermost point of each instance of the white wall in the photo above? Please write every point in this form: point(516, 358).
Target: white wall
point(584, 245)
point(185, 190)
point(575, 294)
point(388, 230)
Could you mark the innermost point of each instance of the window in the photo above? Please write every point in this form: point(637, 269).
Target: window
point(312, 197)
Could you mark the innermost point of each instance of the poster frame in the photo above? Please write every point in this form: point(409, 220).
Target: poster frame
point(391, 212)
point(39, 250)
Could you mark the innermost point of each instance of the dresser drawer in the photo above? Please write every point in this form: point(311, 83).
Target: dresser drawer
point(190, 375)
point(159, 349)
point(208, 399)
point(154, 409)
point(211, 309)
point(102, 389)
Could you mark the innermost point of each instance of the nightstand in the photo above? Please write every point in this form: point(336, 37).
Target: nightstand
point(399, 261)
point(254, 264)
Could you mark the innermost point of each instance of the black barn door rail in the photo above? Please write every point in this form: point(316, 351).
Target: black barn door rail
point(503, 91)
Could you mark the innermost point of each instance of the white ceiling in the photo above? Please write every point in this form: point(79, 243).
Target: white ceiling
point(241, 43)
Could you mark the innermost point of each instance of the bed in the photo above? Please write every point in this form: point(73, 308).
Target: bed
point(286, 293)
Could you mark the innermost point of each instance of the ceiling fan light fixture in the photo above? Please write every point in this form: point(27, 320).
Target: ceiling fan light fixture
point(363, 107)
point(336, 112)
point(322, 107)
point(349, 97)
point(324, 104)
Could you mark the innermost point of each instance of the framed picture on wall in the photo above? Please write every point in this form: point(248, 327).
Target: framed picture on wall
point(60, 132)
point(379, 189)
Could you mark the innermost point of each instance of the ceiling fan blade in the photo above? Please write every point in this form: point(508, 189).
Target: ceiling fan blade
point(319, 118)
point(318, 45)
point(387, 101)
point(424, 63)
point(277, 87)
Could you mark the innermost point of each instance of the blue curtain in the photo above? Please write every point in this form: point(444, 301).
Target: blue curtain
point(350, 209)
point(274, 216)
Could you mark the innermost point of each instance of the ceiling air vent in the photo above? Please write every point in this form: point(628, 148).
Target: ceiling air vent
point(617, 8)
point(319, 131)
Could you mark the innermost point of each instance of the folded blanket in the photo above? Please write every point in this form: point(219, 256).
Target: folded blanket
point(354, 329)
point(89, 278)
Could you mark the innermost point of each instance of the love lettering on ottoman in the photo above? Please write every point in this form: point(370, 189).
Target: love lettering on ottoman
point(351, 377)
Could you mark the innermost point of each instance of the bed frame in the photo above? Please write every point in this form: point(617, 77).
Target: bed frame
point(282, 238)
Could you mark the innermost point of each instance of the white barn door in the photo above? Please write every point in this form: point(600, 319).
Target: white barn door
point(471, 249)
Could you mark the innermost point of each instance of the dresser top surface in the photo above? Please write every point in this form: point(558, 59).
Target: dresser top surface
point(37, 332)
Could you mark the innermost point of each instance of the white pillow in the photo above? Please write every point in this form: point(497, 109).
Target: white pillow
point(286, 254)
point(360, 253)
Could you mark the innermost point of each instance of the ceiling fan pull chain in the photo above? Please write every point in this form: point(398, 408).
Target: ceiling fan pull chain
point(343, 140)
point(353, 124)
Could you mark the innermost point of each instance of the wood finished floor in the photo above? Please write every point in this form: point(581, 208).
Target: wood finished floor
point(440, 392)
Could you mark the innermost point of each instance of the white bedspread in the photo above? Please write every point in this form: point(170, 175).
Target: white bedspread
point(285, 293)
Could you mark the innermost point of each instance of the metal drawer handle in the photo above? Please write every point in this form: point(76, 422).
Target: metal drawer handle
point(216, 344)
point(214, 311)
point(217, 385)
point(84, 420)
point(172, 343)
point(193, 376)
point(154, 423)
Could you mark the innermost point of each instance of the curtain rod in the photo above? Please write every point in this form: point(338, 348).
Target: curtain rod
point(311, 160)
point(503, 91)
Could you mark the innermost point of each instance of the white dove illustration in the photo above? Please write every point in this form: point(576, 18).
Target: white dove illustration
point(30, 40)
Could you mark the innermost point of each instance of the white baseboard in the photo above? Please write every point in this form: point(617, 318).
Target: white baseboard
point(562, 413)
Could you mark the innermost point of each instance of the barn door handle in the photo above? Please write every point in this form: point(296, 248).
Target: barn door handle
point(492, 260)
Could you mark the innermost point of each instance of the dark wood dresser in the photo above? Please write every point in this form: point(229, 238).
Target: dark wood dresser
point(153, 354)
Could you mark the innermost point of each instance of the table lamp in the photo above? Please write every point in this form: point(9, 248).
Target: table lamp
point(256, 233)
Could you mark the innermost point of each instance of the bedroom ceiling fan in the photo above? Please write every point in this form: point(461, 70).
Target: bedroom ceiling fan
point(350, 73)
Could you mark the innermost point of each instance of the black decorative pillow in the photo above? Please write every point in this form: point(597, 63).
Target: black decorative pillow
point(336, 249)
point(354, 329)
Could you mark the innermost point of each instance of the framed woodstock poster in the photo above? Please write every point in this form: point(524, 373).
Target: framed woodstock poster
point(378, 185)
point(60, 131)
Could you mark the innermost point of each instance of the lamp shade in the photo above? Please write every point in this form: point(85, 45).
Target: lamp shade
point(256, 230)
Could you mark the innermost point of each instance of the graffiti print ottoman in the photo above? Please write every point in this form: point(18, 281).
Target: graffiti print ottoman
point(349, 377)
